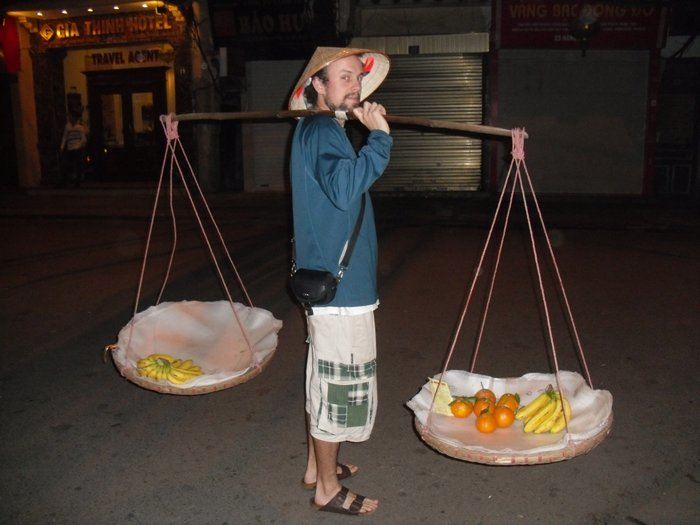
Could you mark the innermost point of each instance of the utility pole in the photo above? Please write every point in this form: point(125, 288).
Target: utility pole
point(205, 97)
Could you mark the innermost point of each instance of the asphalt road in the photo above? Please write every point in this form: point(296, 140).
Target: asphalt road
point(81, 445)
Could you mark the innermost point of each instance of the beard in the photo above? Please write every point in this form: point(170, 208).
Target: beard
point(348, 103)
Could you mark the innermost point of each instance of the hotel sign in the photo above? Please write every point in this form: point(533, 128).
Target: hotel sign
point(108, 29)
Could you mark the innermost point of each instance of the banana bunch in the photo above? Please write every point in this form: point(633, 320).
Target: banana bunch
point(548, 412)
point(164, 367)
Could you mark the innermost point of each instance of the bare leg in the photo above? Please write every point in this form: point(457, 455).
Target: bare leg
point(311, 469)
point(327, 485)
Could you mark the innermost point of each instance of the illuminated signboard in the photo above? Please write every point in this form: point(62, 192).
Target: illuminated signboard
point(108, 29)
point(553, 24)
point(129, 57)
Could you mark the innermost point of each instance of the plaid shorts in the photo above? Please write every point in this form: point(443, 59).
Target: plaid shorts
point(341, 376)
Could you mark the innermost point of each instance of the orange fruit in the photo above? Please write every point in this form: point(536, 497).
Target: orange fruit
point(511, 401)
point(486, 423)
point(485, 392)
point(482, 404)
point(461, 407)
point(504, 416)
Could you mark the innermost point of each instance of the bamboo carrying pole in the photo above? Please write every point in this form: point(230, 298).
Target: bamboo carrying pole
point(392, 119)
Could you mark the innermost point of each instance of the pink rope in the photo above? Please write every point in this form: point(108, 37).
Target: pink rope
point(173, 221)
point(518, 144)
point(542, 293)
point(457, 331)
point(518, 161)
point(216, 226)
point(150, 233)
point(172, 145)
point(170, 127)
point(579, 346)
point(493, 276)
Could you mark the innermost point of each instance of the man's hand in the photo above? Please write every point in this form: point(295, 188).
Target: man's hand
point(371, 115)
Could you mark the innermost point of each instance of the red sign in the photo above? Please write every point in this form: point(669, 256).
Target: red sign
point(564, 24)
point(9, 45)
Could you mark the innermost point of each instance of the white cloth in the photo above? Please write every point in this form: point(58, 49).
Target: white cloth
point(344, 310)
point(74, 137)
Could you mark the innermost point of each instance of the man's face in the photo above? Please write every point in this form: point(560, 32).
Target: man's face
point(342, 89)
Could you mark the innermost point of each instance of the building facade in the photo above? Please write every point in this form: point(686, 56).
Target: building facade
point(609, 100)
point(114, 68)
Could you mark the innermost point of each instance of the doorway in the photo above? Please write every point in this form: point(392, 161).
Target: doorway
point(126, 139)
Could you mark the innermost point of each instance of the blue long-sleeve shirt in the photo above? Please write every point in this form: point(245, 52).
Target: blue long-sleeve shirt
point(328, 179)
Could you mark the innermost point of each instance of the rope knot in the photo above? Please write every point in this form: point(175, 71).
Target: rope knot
point(169, 126)
point(518, 148)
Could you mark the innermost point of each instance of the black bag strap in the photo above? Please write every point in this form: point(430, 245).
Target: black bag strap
point(350, 246)
point(353, 239)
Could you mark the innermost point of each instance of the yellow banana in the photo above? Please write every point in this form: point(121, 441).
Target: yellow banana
point(142, 363)
point(178, 376)
point(167, 357)
point(548, 423)
point(534, 406)
point(187, 373)
point(186, 364)
point(174, 377)
point(567, 407)
point(540, 416)
point(144, 371)
point(560, 423)
point(176, 363)
point(163, 362)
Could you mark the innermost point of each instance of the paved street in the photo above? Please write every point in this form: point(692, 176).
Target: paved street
point(81, 445)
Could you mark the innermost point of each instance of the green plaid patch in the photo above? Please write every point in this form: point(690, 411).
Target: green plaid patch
point(352, 395)
point(338, 414)
point(348, 405)
point(344, 372)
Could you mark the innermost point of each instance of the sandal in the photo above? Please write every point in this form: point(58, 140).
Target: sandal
point(345, 473)
point(336, 504)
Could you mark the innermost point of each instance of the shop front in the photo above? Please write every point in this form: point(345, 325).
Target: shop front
point(127, 91)
point(115, 71)
point(583, 77)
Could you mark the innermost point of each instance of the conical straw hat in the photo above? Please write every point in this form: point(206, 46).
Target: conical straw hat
point(375, 63)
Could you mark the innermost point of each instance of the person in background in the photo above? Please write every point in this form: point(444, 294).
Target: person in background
point(73, 145)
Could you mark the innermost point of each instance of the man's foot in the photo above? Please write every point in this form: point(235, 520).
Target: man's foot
point(342, 471)
point(346, 502)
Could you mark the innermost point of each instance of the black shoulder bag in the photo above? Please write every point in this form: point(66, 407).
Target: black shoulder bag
point(318, 287)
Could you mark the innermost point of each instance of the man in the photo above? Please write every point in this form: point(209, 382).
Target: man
point(73, 144)
point(328, 182)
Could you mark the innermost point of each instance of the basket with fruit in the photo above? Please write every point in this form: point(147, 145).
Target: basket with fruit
point(511, 421)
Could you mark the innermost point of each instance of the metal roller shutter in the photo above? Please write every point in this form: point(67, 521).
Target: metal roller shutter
point(446, 87)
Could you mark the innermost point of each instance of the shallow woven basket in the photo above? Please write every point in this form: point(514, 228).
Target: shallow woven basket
point(573, 449)
point(168, 388)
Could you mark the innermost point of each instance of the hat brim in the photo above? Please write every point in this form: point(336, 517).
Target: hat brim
point(376, 66)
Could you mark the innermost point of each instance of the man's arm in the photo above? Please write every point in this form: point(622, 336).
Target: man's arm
point(343, 176)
